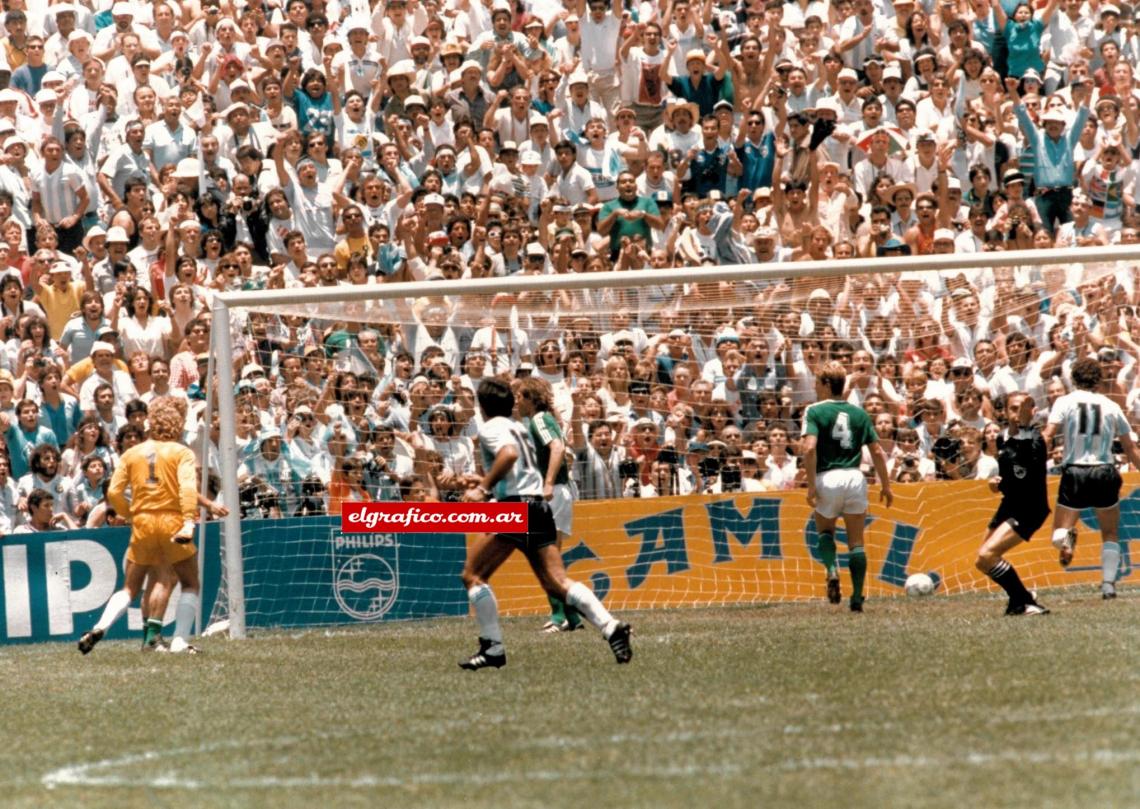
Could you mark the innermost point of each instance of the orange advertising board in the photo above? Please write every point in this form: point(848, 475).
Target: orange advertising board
point(757, 548)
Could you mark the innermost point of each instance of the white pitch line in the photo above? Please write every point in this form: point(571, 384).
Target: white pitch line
point(101, 773)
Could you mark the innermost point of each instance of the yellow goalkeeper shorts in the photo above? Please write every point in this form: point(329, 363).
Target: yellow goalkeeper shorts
point(151, 539)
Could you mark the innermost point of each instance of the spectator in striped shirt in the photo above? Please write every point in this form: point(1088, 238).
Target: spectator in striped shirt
point(59, 195)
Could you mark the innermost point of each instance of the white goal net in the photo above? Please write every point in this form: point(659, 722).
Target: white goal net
point(681, 393)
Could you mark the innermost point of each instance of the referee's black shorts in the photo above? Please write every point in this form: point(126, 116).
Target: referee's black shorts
point(540, 530)
point(1089, 487)
point(1024, 521)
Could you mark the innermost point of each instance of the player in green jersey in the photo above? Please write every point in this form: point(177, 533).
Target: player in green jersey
point(835, 433)
point(536, 403)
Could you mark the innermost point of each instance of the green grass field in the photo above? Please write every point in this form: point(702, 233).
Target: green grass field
point(917, 703)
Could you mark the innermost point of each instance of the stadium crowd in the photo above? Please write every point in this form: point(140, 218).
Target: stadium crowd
point(152, 154)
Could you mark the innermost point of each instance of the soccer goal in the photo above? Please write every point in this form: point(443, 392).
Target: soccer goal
point(693, 512)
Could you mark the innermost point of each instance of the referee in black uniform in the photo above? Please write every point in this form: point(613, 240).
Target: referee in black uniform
point(1024, 506)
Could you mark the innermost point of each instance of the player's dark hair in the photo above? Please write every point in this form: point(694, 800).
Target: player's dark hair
point(496, 398)
point(596, 425)
point(1086, 374)
point(37, 497)
point(126, 433)
point(135, 406)
point(36, 462)
point(90, 459)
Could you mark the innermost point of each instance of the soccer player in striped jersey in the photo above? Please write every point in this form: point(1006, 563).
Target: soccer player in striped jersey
point(1024, 506)
point(536, 403)
point(835, 433)
point(511, 474)
point(1089, 423)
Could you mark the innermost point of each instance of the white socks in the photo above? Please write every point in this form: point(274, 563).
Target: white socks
point(482, 598)
point(114, 610)
point(1109, 561)
point(581, 598)
point(185, 614)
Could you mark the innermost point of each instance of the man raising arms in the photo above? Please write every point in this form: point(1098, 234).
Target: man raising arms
point(835, 433)
point(164, 498)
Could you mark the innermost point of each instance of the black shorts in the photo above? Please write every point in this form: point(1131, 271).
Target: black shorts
point(1089, 487)
point(540, 530)
point(1024, 522)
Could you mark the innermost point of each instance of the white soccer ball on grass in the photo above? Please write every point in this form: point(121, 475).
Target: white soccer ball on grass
point(919, 585)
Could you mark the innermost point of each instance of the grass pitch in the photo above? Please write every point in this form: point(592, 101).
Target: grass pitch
point(917, 703)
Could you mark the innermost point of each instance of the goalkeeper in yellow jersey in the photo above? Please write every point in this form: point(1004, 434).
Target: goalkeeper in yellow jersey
point(164, 499)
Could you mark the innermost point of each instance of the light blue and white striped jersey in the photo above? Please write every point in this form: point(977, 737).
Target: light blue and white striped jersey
point(1089, 422)
point(57, 190)
point(523, 479)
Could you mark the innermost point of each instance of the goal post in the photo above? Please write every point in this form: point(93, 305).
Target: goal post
point(222, 339)
point(379, 302)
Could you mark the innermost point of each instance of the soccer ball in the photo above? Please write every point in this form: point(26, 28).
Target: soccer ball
point(919, 585)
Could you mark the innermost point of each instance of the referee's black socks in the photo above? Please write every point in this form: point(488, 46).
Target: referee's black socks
point(1004, 574)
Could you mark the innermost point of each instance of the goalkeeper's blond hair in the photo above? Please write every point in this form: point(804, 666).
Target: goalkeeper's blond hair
point(167, 417)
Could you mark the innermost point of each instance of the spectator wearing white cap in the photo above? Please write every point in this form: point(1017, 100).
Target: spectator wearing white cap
point(104, 372)
point(1053, 140)
point(76, 51)
point(358, 66)
point(237, 131)
point(57, 293)
point(226, 45)
point(427, 68)
point(540, 140)
point(508, 177)
point(109, 39)
point(577, 108)
point(1083, 230)
point(1107, 29)
point(601, 29)
point(46, 114)
point(471, 98)
point(696, 84)
point(58, 26)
